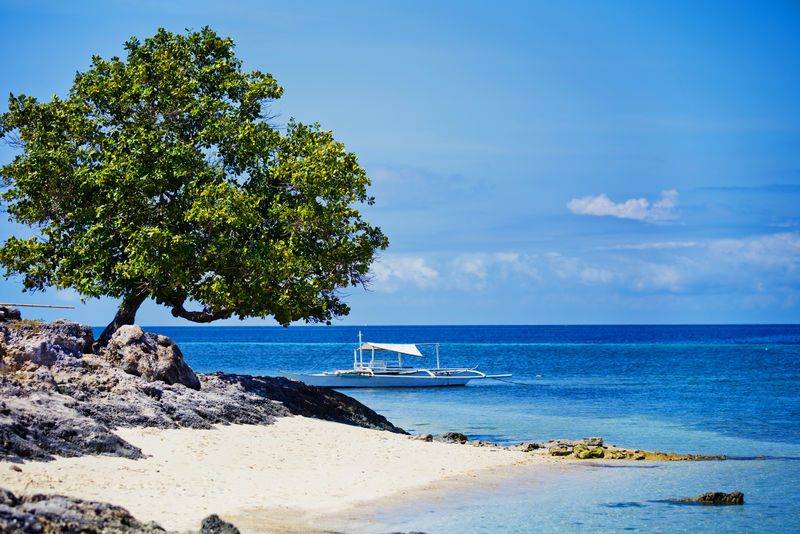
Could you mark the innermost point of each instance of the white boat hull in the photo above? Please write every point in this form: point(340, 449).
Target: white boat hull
point(380, 381)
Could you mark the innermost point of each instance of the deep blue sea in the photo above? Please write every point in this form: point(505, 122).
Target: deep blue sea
point(732, 390)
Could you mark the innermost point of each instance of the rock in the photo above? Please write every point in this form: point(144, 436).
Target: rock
point(27, 345)
point(593, 442)
point(37, 426)
point(214, 525)
point(71, 411)
point(715, 498)
point(71, 407)
point(452, 437)
point(582, 452)
point(560, 450)
point(718, 497)
point(296, 398)
point(151, 356)
point(559, 447)
point(56, 513)
point(7, 498)
point(7, 313)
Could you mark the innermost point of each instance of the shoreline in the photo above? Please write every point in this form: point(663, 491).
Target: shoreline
point(297, 474)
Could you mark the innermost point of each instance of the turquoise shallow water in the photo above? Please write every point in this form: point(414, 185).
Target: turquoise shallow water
point(729, 390)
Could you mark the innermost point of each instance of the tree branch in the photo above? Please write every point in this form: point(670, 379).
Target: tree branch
point(205, 316)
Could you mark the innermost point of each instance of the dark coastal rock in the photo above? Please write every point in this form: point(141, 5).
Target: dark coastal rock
point(68, 405)
point(50, 514)
point(527, 446)
point(28, 345)
point(299, 398)
point(452, 437)
point(7, 498)
point(559, 447)
point(716, 498)
point(151, 356)
point(214, 525)
point(40, 425)
point(9, 313)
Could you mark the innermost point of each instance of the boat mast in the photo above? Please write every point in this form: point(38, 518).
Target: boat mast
point(437, 357)
point(358, 352)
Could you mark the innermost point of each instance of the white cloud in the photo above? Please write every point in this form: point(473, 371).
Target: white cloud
point(474, 264)
point(767, 264)
point(655, 276)
point(389, 272)
point(662, 245)
point(776, 250)
point(498, 265)
point(570, 268)
point(636, 208)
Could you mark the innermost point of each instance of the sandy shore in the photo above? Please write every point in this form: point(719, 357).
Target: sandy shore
point(288, 476)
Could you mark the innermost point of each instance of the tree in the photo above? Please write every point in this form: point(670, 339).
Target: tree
point(160, 177)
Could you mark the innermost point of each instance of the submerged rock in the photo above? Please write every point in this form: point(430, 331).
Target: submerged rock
point(716, 498)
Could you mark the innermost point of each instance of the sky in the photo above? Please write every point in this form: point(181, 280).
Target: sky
point(532, 162)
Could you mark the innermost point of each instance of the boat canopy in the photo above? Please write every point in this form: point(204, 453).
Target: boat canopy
point(409, 349)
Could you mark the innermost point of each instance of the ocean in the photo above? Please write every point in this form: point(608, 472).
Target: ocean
point(729, 390)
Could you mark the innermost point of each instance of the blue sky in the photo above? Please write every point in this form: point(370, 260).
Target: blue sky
point(532, 163)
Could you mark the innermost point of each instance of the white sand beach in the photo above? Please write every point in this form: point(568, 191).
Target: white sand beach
point(283, 477)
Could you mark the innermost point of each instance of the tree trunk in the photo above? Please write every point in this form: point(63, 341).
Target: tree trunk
point(126, 314)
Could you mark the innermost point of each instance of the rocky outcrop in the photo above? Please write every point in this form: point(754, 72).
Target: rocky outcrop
point(70, 412)
point(151, 356)
point(716, 498)
point(297, 398)
point(65, 402)
point(37, 425)
point(28, 345)
point(7, 313)
point(214, 525)
point(57, 513)
point(51, 514)
point(590, 448)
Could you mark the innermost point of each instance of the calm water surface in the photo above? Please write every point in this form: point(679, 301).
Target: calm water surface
point(732, 390)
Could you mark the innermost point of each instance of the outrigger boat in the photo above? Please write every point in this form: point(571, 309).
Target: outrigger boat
point(371, 372)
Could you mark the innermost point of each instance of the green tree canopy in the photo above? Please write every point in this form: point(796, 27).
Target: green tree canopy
point(161, 177)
